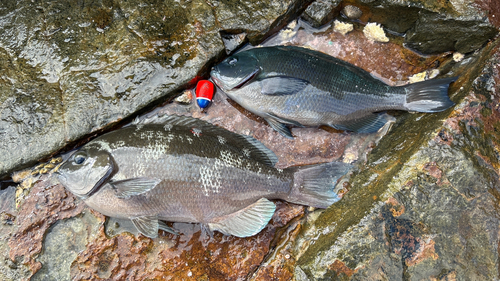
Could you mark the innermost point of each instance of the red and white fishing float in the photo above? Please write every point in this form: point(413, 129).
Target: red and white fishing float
point(204, 93)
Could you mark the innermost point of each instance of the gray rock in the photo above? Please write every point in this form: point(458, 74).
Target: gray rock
point(429, 27)
point(435, 34)
point(61, 247)
point(258, 18)
point(9, 270)
point(421, 209)
point(70, 69)
point(320, 12)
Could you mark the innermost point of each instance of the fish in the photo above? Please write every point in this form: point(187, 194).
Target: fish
point(290, 85)
point(181, 169)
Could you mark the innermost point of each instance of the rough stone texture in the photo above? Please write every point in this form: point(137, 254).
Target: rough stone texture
point(430, 27)
point(258, 18)
point(63, 242)
point(46, 204)
point(191, 255)
point(425, 205)
point(68, 69)
point(321, 12)
point(435, 34)
point(422, 205)
point(91, 63)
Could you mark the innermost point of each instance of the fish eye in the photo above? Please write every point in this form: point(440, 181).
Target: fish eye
point(80, 158)
point(232, 61)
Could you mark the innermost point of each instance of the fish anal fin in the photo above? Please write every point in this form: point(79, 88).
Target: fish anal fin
point(163, 226)
point(132, 187)
point(285, 120)
point(367, 124)
point(246, 222)
point(282, 85)
point(148, 226)
point(279, 127)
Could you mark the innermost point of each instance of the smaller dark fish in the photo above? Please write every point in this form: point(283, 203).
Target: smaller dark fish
point(181, 169)
point(289, 85)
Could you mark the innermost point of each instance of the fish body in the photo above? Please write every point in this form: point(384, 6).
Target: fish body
point(288, 85)
point(181, 169)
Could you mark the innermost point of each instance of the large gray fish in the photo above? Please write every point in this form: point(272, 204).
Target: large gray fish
point(181, 169)
point(288, 85)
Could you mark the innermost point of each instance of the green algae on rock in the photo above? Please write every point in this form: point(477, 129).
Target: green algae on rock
point(71, 69)
point(430, 27)
point(258, 18)
point(412, 211)
point(453, 166)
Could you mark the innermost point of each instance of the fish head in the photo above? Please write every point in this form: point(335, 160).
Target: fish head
point(235, 71)
point(86, 170)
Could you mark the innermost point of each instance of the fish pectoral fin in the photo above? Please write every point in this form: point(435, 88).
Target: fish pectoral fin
point(278, 126)
point(163, 226)
point(134, 186)
point(246, 222)
point(367, 124)
point(148, 226)
point(282, 85)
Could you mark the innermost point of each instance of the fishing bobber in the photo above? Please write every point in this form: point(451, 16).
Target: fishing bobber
point(204, 93)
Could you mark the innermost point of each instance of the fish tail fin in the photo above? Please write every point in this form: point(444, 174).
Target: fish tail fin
point(314, 185)
point(429, 96)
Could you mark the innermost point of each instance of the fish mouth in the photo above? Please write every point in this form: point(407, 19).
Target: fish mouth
point(216, 77)
point(83, 190)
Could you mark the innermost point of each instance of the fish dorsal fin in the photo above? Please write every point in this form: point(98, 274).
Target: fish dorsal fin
point(248, 146)
point(366, 124)
point(282, 85)
point(132, 187)
point(148, 226)
point(258, 151)
point(246, 222)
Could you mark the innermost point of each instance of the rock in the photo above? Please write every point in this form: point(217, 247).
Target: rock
point(432, 27)
point(68, 70)
point(414, 211)
point(257, 18)
point(421, 196)
point(233, 41)
point(45, 205)
point(435, 34)
point(429, 27)
point(320, 12)
point(60, 248)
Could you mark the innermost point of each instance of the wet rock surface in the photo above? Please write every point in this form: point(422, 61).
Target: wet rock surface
point(425, 206)
point(430, 27)
point(70, 69)
point(421, 204)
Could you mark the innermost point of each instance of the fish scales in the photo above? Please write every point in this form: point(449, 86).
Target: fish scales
point(201, 175)
point(181, 169)
point(288, 85)
point(327, 73)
